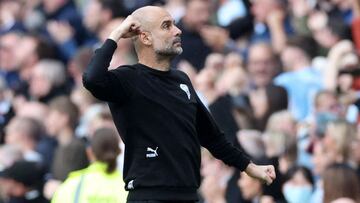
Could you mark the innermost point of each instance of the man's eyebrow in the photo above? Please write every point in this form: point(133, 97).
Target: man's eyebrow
point(168, 21)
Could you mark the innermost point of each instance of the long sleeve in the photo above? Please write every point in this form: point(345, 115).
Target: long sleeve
point(106, 85)
point(215, 141)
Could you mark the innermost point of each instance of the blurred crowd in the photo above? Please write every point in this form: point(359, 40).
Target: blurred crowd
point(280, 77)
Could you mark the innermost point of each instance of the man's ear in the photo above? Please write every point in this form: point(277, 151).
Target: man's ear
point(146, 38)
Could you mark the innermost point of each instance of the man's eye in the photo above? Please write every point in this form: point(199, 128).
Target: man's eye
point(166, 26)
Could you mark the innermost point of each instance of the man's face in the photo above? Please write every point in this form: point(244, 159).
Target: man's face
point(8, 49)
point(51, 6)
point(12, 134)
point(261, 9)
point(55, 122)
point(92, 16)
point(261, 65)
point(166, 36)
point(197, 13)
point(39, 84)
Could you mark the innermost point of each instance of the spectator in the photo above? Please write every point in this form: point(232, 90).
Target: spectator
point(299, 185)
point(99, 13)
point(9, 63)
point(262, 64)
point(296, 59)
point(338, 137)
point(356, 151)
point(218, 180)
point(262, 68)
point(48, 80)
point(327, 30)
point(70, 154)
point(25, 133)
point(195, 50)
point(32, 49)
point(23, 182)
point(271, 23)
point(62, 17)
point(78, 63)
point(100, 181)
point(251, 189)
point(341, 181)
point(10, 20)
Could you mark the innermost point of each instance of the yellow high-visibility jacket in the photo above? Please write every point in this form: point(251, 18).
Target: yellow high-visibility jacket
point(92, 185)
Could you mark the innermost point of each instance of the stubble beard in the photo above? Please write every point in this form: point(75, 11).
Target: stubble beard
point(170, 50)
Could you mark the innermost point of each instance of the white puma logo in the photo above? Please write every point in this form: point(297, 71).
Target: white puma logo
point(130, 185)
point(151, 152)
point(185, 88)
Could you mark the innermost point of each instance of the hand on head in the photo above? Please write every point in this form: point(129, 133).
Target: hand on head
point(130, 27)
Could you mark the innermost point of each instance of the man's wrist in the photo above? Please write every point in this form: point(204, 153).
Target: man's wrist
point(250, 169)
point(115, 36)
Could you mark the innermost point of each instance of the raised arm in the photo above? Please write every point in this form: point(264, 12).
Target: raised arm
point(110, 85)
point(214, 140)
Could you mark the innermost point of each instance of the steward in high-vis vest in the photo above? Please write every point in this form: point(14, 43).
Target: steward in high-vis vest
point(100, 182)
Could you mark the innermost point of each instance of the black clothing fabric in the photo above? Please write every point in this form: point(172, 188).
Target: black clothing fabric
point(277, 100)
point(162, 123)
point(222, 110)
point(195, 50)
point(46, 147)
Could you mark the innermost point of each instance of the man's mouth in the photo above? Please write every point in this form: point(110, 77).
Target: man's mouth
point(177, 41)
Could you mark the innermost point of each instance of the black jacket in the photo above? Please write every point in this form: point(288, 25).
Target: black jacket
point(162, 123)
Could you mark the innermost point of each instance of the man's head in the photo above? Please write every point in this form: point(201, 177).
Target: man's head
point(22, 177)
point(197, 14)
point(63, 115)
point(261, 9)
point(298, 52)
point(8, 51)
point(23, 132)
point(46, 75)
point(158, 33)
point(261, 64)
point(99, 12)
point(51, 6)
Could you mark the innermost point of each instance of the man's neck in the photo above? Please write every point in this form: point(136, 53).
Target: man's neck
point(161, 66)
point(65, 136)
point(161, 63)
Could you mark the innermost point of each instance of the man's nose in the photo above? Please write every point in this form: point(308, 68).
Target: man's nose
point(178, 32)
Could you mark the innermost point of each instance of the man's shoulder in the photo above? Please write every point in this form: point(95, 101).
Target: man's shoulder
point(124, 70)
point(181, 74)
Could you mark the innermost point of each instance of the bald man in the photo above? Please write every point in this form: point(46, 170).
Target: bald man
point(158, 114)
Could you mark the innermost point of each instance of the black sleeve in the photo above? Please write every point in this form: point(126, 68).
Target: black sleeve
point(110, 86)
point(214, 140)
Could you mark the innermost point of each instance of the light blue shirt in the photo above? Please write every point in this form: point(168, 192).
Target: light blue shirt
point(301, 86)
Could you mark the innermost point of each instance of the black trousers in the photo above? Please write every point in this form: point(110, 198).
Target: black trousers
point(159, 201)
